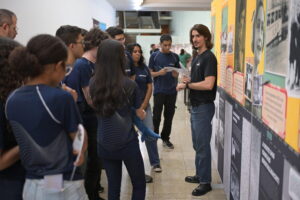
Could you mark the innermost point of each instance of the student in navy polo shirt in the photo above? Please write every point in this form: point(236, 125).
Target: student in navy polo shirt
point(117, 33)
point(114, 95)
point(144, 80)
point(45, 120)
point(164, 87)
point(12, 174)
point(73, 38)
point(79, 80)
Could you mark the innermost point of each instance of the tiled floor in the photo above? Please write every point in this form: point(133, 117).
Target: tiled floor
point(176, 164)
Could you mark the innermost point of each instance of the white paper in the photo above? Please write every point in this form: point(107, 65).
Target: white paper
point(54, 182)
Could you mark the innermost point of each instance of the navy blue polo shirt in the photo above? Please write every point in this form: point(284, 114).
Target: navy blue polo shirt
point(164, 84)
point(7, 142)
point(142, 78)
point(42, 117)
point(80, 77)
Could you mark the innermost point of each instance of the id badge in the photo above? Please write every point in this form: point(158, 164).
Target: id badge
point(54, 182)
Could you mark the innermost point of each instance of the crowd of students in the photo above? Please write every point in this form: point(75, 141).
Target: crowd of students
point(56, 84)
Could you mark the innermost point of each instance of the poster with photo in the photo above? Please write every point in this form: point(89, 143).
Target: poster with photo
point(293, 72)
point(227, 146)
point(236, 152)
point(248, 81)
point(291, 182)
point(221, 132)
point(240, 33)
point(271, 169)
point(257, 90)
point(276, 34)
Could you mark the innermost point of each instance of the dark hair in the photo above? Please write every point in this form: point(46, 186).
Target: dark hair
point(6, 16)
point(130, 48)
point(106, 87)
point(68, 34)
point(41, 50)
point(152, 45)
point(93, 38)
point(165, 37)
point(181, 51)
point(204, 31)
point(114, 30)
point(9, 79)
point(83, 32)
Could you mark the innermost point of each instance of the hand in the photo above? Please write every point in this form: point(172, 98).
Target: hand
point(185, 79)
point(175, 74)
point(162, 72)
point(141, 113)
point(144, 106)
point(180, 86)
point(80, 160)
point(71, 91)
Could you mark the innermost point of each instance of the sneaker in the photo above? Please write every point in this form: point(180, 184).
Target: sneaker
point(192, 179)
point(148, 178)
point(168, 144)
point(202, 189)
point(157, 168)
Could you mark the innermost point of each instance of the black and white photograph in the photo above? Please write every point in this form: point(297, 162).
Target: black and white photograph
point(240, 32)
point(248, 81)
point(277, 43)
point(258, 34)
point(291, 182)
point(293, 74)
point(257, 90)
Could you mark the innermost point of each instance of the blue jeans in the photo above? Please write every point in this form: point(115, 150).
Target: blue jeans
point(201, 117)
point(151, 144)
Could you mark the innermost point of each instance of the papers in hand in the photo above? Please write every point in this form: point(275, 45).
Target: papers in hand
point(182, 71)
point(79, 140)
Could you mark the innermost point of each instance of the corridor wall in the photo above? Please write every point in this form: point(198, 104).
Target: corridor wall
point(35, 16)
point(256, 135)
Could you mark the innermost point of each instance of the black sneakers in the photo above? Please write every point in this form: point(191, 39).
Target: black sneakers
point(168, 144)
point(157, 168)
point(148, 178)
point(202, 189)
point(192, 179)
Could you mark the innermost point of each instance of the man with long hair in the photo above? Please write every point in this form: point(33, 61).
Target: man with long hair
point(203, 87)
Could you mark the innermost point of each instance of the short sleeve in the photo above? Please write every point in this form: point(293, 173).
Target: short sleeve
point(69, 116)
point(151, 62)
point(177, 65)
point(84, 74)
point(149, 77)
point(211, 66)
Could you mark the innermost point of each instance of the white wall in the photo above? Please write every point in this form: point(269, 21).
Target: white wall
point(183, 21)
point(46, 16)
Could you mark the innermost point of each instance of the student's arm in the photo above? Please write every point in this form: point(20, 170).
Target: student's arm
point(161, 72)
point(147, 97)
point(9, 157)
point(175, 74)
point(71, 91)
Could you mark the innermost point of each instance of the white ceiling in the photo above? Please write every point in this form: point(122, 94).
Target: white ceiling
point(161, 5)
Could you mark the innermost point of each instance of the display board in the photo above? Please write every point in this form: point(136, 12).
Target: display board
point(257, 130)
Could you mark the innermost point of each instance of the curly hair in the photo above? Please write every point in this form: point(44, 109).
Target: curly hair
point(9, 79)
point(93, 38)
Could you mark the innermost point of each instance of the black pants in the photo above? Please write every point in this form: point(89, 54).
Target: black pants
point(134, 164)
point(93, 164)
point(168, 102)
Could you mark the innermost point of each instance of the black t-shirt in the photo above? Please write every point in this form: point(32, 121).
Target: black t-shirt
point(203, 65)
